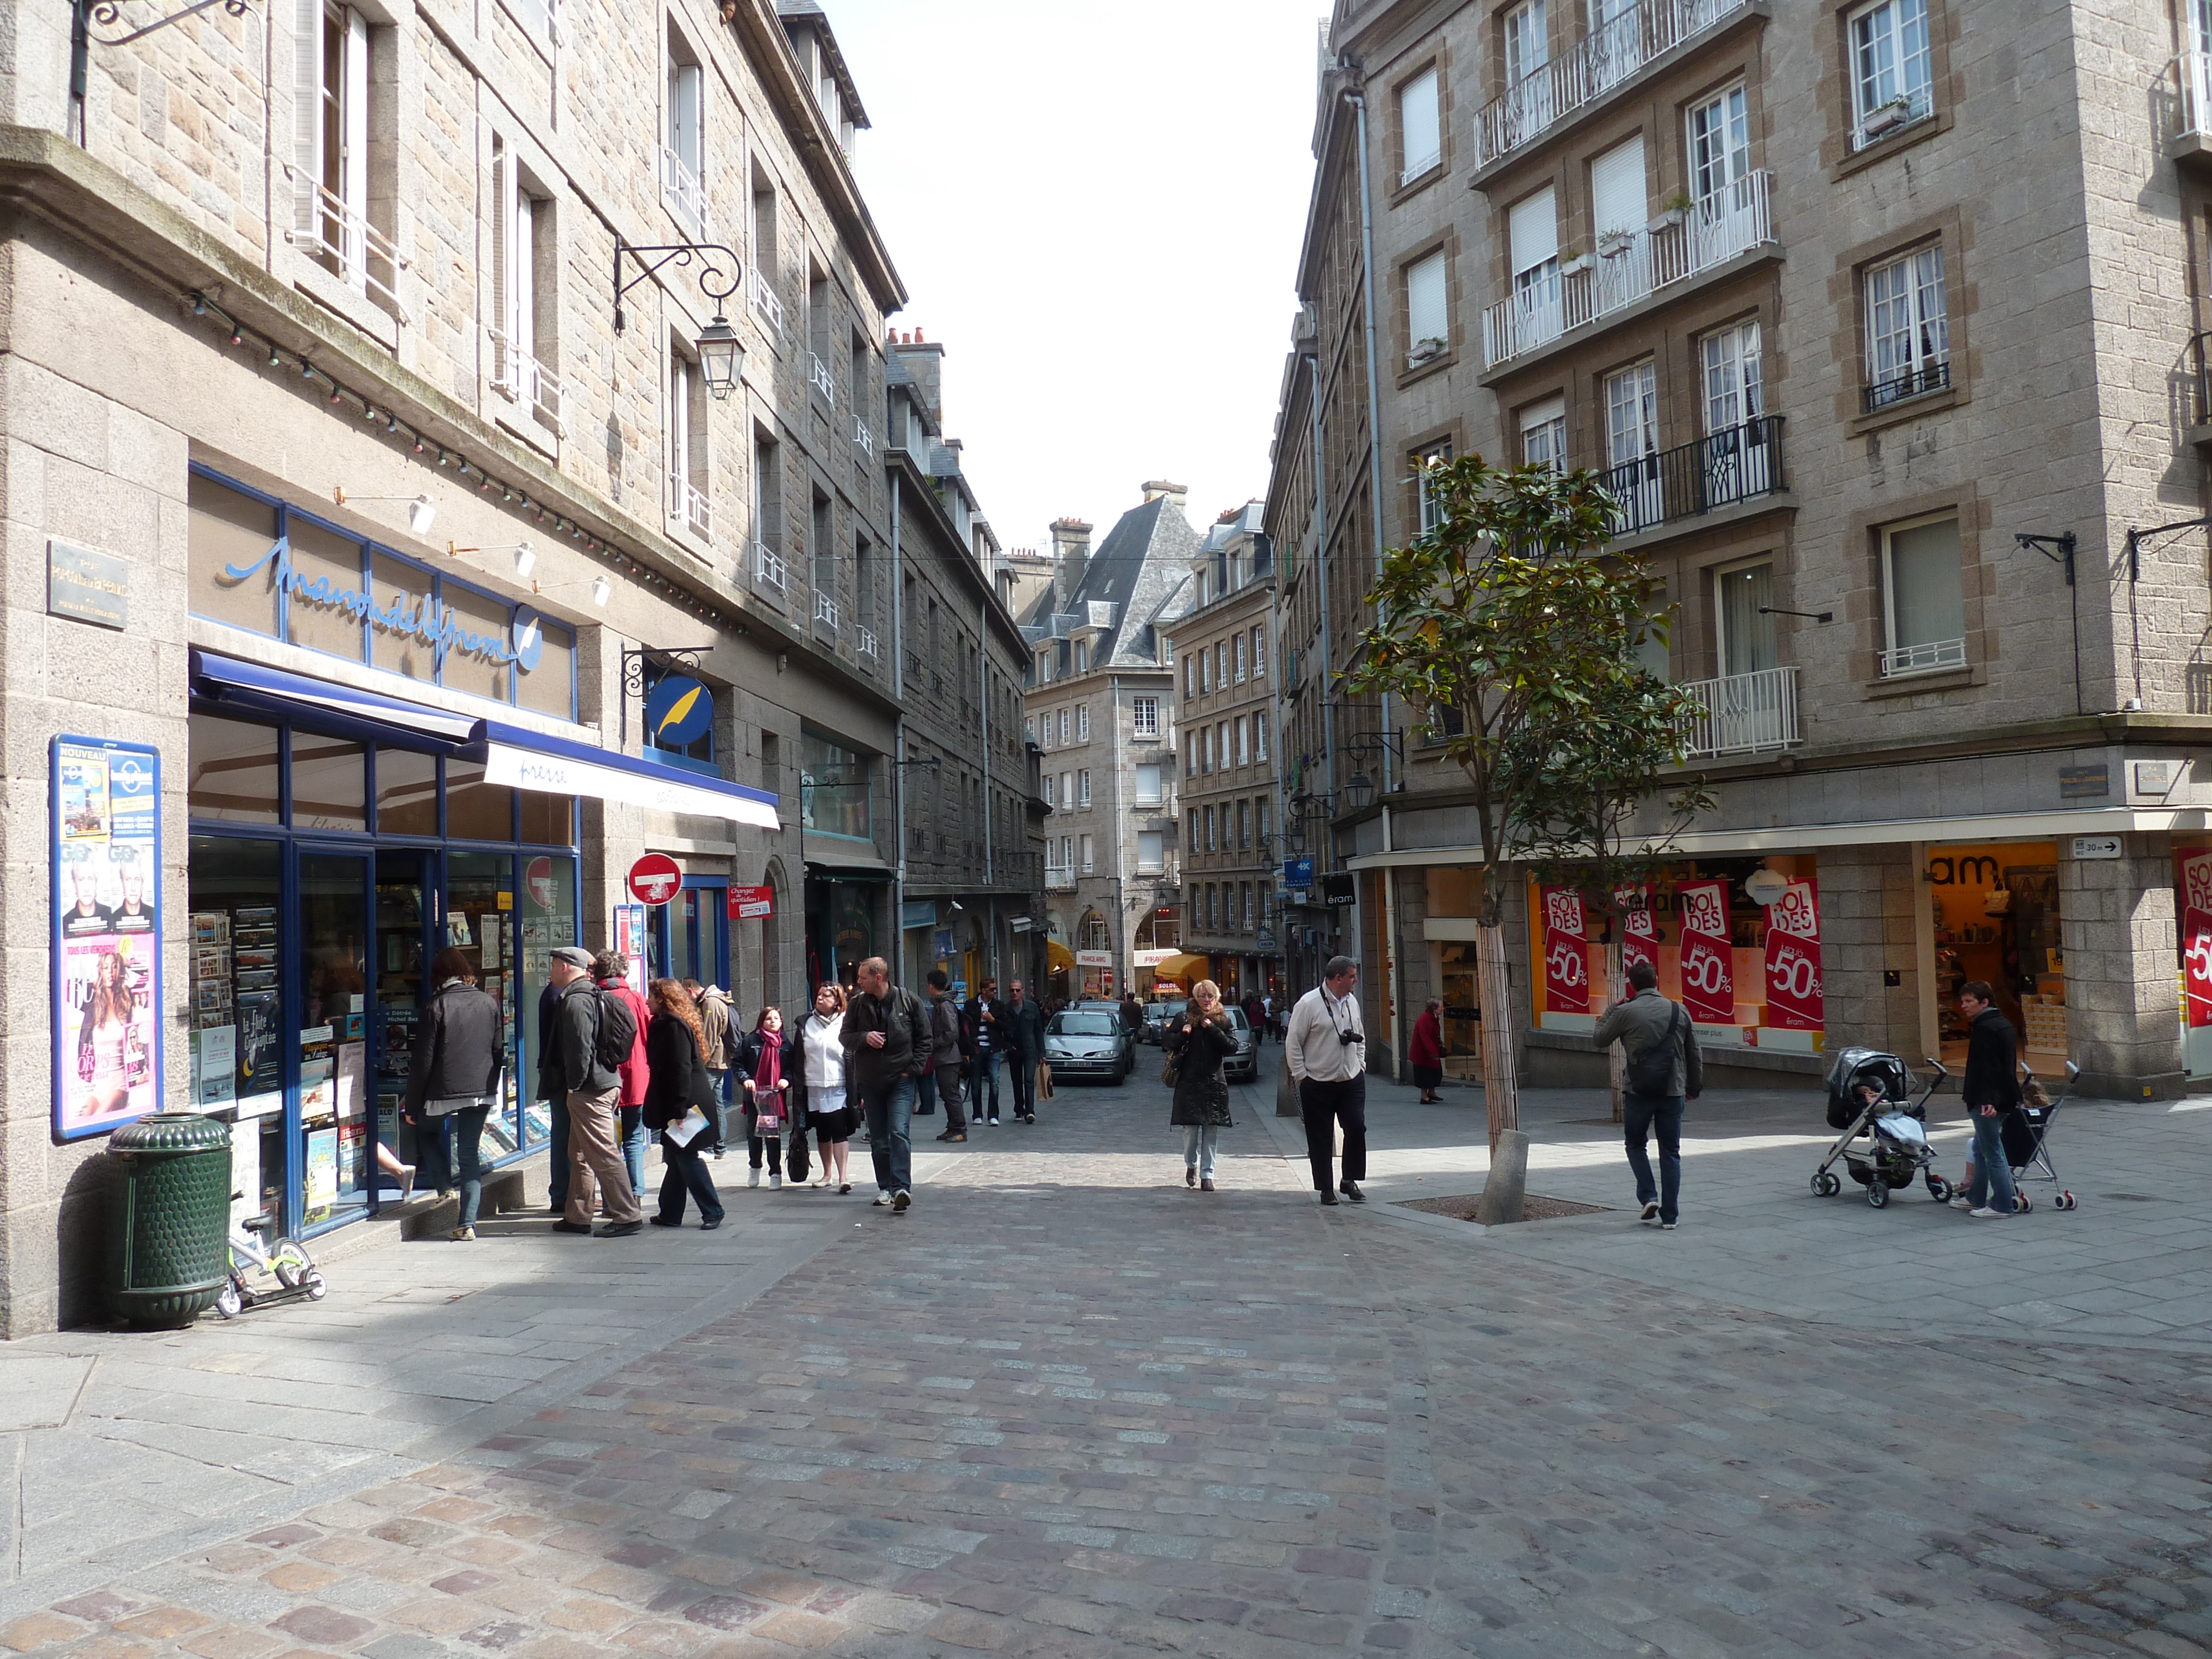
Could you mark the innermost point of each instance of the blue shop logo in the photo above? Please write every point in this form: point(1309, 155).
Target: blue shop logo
point(436, 624)
point(678, 711)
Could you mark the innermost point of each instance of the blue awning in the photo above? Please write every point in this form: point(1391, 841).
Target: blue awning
point(262, 687)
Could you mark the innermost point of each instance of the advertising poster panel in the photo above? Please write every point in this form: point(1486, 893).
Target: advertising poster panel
point(1708, 968)
point(107, 851)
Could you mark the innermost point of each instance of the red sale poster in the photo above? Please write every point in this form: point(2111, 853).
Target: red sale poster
point(1639, 932)
point(1794, 998)
point(1708, 971)
point(1567, 952)
point(2193, 878)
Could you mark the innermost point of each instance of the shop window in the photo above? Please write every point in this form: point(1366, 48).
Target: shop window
point(550, 688)
point(547, 820)
point(329, 782)
point(406, 793)
point(234, 776)
point(475, 809)
point(232, 529)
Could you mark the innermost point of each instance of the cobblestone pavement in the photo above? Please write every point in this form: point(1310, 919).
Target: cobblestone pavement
point(1065, 1407)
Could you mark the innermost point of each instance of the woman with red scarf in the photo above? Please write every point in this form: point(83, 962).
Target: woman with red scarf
point(767, 1097)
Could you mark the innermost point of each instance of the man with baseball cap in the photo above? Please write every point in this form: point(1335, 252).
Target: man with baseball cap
point(572, 1070)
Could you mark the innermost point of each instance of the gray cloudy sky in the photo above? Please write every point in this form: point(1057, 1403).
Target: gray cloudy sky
point(1097, 210)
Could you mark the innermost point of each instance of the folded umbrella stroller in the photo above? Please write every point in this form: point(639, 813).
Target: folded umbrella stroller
point(1884, 1143)
point(2026, 1133)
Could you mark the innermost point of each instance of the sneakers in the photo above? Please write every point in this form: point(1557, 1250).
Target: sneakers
point(883, 1200)
point(899, 1200)
point(1962, 1203)
point(1029, 1117)
point(1667, 1226)
point(1651, 1209)
point(775, 1180)
point(463, 1235)
point(994, 1123)
point(752, 1178)
point(1350, 1190)
point(1985, 1213)
point(619, 1230)
point(406, 1181)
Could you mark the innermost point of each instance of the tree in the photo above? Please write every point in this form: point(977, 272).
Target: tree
point(1502, 628)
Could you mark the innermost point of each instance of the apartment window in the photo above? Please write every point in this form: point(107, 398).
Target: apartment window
point(1029, 729)
point(1244, 825)
point(1544, 434)
point(1908, 331)
point(330, 169)
point(1430, 505)
point(1083, 723)
point(1067, 789)
point(1205, 754)
point(1204, 672)
point(1243, 741)
point(1148, 785)
point(688, 498)
point(523, 263)
point(1189, 754)
point(1891, 77)
point(1189, 678)
point(1240, 659)
point(767, 266)
point(1532, 228)
point(1720, 144)
point(1050, 800)
point(1063, 728)
point(1083, 656)
point(1260, 817)
point(1923, 602)
point(1260, 738)
point(1259, 653)
point(1209, 829)
point(1151, 857)
point(1087, 857)
point(1428, 310)
point(1082, 787)
point(1145, 717)
point(1734, 379)
point(1195, 842)
point(1528, 47)
point(1067, 852)
point(768, 512)
point(1420, 126)
point(823, 555)
point(1221, 735)
point(1221, 664)
point(1244, 904)
point(683, 153)
point(1742, 597)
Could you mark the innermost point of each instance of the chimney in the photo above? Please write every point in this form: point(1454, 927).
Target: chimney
point(1178, 494)
point(925, 361)
point(1071, 554)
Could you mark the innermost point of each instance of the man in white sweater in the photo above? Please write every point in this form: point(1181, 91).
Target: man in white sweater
point(1327, 1049)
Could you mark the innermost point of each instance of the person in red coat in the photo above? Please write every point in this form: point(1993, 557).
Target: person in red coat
point(1426, 1052)
point(612, 970)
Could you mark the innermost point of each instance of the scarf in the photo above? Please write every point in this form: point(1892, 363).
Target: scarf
point(769, 1071)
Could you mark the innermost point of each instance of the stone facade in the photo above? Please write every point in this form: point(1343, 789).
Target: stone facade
point(1801, 347)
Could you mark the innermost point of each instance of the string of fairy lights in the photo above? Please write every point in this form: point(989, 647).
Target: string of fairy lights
point(467, 469)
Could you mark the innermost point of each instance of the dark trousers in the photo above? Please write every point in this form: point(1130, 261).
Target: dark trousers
point(925, 1094)
point(437, 1151)
point(1640, 1115)
point(687, 1173)
point(888, 1109)
point(1021, 1070)
point(986, 1076)
point(947, 1079)
point(556, 1164)
point(1325, 1105)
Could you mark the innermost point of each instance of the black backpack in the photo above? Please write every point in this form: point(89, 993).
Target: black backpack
point(617, 1032)
point(1652, 1071)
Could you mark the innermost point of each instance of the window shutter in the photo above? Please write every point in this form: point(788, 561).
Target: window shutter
point(1533, 226)
point(306, 115)
point(353, 115)
point(501, 306)
point(1618, 200)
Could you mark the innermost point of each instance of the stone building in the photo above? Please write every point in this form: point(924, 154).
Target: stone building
point(442, 465)
point(1100, 707)
point(971, 862)
point(1230, 722)
point(1883, 329)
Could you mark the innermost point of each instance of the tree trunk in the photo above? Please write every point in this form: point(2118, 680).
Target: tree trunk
point(1616, 1057)
point(1500, 1091)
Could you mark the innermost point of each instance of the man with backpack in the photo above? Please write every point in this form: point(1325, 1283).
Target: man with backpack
point(887, 1043)
point(612, 970)
point(947, 1052)
point(592, 1034)
point(1664, 1070)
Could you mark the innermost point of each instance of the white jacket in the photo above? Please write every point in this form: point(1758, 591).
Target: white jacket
point(823, 1042)
point(1314, 1042)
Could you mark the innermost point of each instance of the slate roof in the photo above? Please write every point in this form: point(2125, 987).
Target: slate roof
point(1136, 580)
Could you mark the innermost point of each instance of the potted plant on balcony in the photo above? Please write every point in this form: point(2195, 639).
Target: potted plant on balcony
point(1617, 241)
point(1676, 209)
point(1427, 350)
point(1573, 261)
point(1885, 117)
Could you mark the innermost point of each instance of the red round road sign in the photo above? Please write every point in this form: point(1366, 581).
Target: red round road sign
point(655, 878)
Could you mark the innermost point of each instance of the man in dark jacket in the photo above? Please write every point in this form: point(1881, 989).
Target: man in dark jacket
point(886, 1038)
point(555, 1097)
point(1664, 1069)
point(594, 1095)
point(1990, 1088)
point(984, 1019)
point(946, 1043)
point(452, 1079)
point(1025, 1031)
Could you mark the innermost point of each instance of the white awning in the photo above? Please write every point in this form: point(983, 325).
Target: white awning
point(657, 789)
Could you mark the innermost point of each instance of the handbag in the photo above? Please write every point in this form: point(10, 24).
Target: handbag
point(1044, 1080)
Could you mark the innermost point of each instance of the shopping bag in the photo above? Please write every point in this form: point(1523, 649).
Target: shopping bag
point(1043, 1081)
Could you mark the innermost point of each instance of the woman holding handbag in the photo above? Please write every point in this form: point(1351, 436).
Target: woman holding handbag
point(1424, 1053)
point(454, 1077)
point(1198, 1041)
point(767, 1097)
point(822, 1075)
point(678, 1084)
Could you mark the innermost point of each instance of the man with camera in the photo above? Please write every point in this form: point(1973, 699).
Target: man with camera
point(1326, 1045)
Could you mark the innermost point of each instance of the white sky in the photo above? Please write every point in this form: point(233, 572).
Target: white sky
point(1097, 210)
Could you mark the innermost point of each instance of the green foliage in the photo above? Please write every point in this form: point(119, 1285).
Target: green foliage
point(1502, 626)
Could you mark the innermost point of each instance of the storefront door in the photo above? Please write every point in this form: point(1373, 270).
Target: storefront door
point(336, 1149)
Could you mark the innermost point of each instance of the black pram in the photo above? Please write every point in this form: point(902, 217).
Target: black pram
point(1884, 1143)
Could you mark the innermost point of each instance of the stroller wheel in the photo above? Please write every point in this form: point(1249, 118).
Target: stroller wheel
point(1939, 1189)
point(2065, 1201)
point(2020, 1202)
point(1825, 1183)
point(1878, 1193)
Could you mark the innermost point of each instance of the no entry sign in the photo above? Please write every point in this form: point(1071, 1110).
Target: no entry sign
point(655, 878)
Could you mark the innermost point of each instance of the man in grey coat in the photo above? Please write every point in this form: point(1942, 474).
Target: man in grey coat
point(1664, 1069)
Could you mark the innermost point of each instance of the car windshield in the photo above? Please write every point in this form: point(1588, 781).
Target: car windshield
point(1075, 1024)
point(1236, 1019)
point(1160, 1013)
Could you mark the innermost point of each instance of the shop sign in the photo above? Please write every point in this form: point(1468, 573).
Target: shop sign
point(2097, 846)
point(1708, 962)
point(107, 854)
point(86, 587)
point(917, 913)
point(1151, 958)
point(941, 943)
point(1639, 935)
point(1266, 940)
point(629, 940)
point(1566, 951)
point(751, 904)
point(1794, 1000)
point(2193, 877)
point(2084, 782)
point(678, 712)
point(1337, 889)
point(2156, 777)
point(1297, 872)
point(1094, 958)
point(1764, 886)
point(655, 878)
point(430, 620)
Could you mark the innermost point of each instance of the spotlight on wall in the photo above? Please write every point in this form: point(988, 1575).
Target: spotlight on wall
point(420, 509)
point(526, 560)
point(603, 589)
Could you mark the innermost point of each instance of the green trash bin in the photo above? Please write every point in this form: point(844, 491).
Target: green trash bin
point(169, 1225)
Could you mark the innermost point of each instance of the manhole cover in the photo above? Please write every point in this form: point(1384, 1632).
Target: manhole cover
point(2132, 1198)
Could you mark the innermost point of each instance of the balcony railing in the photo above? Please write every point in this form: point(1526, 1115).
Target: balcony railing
point(515, 374)
point(825, 611)
point(1599, 61)
point(1922, 377)
point(761, 294)
point(1734, 219)
point(863, 437)
point(818, 381)
point(685, 196)
point(1742, 714)
point(1719, 470)
point(1899, 113)
point(1922, 659)
point(689, 505)
point(768, 569)
point(1418, 167)
point(1059, 878)
point(355, 251)
point(865, 638)
point(2192, 75)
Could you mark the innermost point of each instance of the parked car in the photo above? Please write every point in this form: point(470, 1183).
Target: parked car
point(1157, 1015)
point(1089, 1041)
point(1243, 1065)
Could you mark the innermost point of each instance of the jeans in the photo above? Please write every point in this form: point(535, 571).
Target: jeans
point(721, 1093)
point(439, 1152)
point(1021, 1071)
point(925, 1094)
point(987, 1073)
point(1324, 1105)
point(889, 1110)
point(687, 1174)
point(1640, 1116)
point(1992, 1186)
point(557, 1162)
point(1199, 1142)
point(595, 1149)
point(634, 1139)
point(948, 1091)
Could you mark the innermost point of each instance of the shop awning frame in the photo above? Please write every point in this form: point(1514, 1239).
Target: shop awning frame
point(272, 690)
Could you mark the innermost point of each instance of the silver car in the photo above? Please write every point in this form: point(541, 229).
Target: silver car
point(1243, 1065)
point(1088, 1042)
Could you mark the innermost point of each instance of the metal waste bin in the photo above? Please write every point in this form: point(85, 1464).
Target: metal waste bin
point(170, 1222)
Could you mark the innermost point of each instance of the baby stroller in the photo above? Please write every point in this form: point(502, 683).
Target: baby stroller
point(2026, 1133)
point(1884, 1143)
